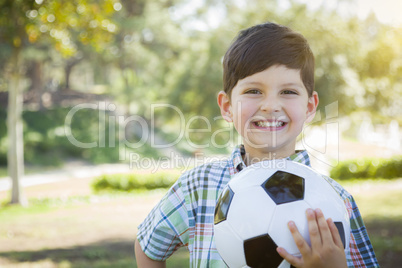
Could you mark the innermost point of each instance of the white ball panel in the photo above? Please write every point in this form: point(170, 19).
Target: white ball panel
point(325, 197)
point(321, 190)
point(279, 231)
point(229, 245)
point(249, 177)
point(254, 210)
point(328, 200)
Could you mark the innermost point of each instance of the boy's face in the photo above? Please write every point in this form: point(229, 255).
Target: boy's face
point(269, 109)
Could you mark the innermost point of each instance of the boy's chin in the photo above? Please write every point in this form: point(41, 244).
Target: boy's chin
point(271, 150)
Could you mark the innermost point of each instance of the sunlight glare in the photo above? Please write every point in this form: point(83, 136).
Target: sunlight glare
point(386, 11)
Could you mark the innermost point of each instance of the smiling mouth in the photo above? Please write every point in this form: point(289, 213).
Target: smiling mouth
point(270, 124)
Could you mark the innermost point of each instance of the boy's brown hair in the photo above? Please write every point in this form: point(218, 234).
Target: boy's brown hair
point(262, 46)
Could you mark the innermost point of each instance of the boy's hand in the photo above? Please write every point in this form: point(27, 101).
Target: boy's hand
point(326, 245)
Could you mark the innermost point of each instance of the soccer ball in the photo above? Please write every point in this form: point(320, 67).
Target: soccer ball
point(253, 210)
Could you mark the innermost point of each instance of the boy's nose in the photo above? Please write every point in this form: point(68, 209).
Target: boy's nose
point(270, 105)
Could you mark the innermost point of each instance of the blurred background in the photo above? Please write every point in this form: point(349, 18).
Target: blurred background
point(103, 103)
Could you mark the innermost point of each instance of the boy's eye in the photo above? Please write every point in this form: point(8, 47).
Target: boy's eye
point(253, 91)
point(289, 91)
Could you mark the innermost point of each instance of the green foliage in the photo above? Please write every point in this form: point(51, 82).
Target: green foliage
point(3, 140)
point(139, 181)
point(390, 168)
point(66, 24)
point(368, 168)
point(46, 141)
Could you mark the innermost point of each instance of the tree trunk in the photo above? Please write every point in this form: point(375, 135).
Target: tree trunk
point(70, 64)
point(14, 128)
point(67, 73)
point(35, 74)
point(36, 89)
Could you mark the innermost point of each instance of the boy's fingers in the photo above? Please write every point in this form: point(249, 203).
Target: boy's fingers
point(325, 232)
point(301, 244)
point(295, 261)
point(315, 236)
point(335, 233)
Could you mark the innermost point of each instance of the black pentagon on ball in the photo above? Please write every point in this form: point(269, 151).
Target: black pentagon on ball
point(261, 252)
point(222, 205)
point(341, 231)
point(284, 187)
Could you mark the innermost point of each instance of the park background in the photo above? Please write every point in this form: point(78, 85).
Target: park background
point(94, 90)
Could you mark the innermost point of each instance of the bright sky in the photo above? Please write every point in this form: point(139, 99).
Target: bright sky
point(387, 11)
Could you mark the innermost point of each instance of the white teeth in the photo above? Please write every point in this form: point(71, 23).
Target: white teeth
point(269, 124)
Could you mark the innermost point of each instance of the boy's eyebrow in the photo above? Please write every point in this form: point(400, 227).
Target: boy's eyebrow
point(293, 84)
point(251, 83)
point(244, 83)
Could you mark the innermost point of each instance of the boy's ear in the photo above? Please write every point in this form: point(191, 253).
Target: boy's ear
point(312, 107)
point(225, 107)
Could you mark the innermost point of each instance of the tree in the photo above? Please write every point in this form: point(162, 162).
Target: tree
point(12, 23)
point(65, 24)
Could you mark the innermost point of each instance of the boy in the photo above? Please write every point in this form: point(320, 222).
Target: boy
point(268, 95)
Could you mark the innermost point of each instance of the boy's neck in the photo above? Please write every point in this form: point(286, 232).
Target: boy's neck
point(254, 156)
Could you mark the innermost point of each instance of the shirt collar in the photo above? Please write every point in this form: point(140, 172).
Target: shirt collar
point(237, 159)
point(301, 156)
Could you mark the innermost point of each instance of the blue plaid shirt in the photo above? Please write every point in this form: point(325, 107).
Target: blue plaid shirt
point(185, 216)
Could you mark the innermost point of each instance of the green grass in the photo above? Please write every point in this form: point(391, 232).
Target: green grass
point(97, 255)
point(37, 206)
point(101, 255)
point(377, 198)
point(385, 235)
point(380, 203)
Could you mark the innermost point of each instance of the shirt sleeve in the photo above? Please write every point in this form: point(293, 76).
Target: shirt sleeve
point(361, 249)
point(165, 229)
